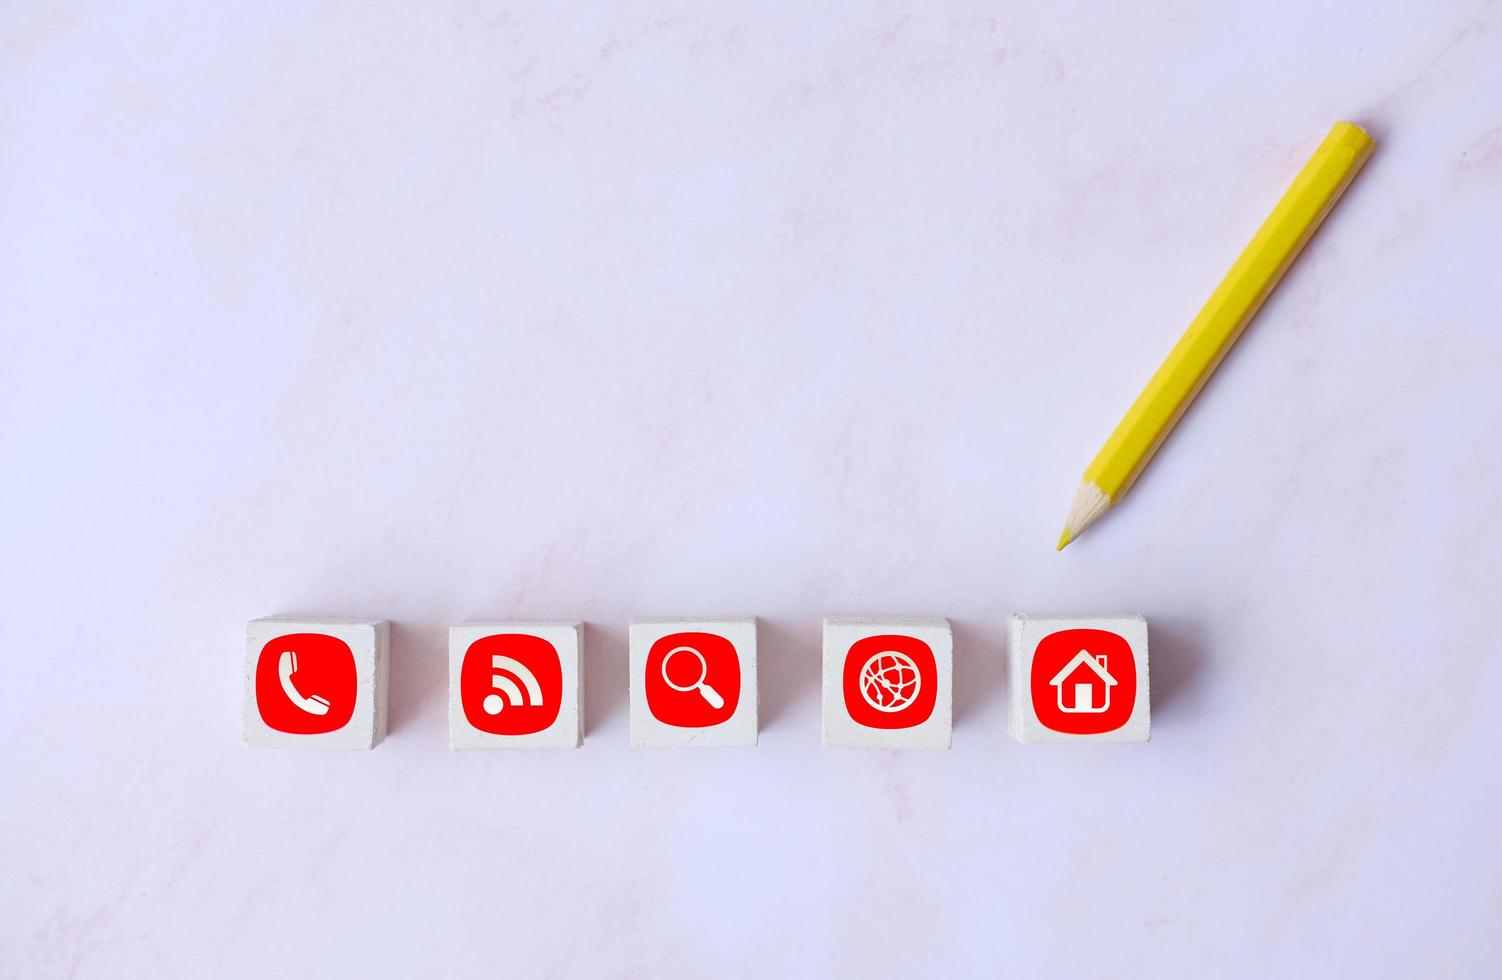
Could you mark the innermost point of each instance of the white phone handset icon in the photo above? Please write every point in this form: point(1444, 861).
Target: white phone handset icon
point(285, 668)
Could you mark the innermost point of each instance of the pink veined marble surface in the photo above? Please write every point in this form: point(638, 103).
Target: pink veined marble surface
point(449, 311)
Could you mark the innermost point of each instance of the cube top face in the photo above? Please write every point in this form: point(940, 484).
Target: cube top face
point(516, 685)
point(315, 683)
point(1079, 678)
point(693, 682)
point(888, 682)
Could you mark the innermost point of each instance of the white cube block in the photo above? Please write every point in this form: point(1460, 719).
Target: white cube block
point(888, 682)
point(315, 683)
point(516, 685)
point(1079, 678)
point(693, 682)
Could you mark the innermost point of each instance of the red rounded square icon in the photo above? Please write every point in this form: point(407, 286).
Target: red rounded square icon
point(693, 680)
point(306, 683)
point(511, 684)
point(1084, 682)
point(890, 681)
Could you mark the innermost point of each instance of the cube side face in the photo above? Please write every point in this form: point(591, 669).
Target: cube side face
point(693, 682)
point(1079, 679)
point(324, 686)
point(516, 685)
point(878, 673)
point(382, 675)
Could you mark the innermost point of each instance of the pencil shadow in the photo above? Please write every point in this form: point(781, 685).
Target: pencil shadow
point(787, 665)
point(979, 669)
point(418, 675)
point(1175, 679)
point(606, 675)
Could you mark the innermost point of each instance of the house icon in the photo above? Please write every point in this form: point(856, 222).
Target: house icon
point(1082, 677)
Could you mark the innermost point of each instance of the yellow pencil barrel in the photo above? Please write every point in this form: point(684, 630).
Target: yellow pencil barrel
point(1234, 302)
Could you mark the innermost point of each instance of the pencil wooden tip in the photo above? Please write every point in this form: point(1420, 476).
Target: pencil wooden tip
point(1090, 501)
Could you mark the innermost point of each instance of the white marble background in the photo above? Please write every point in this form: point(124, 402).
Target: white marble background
point(439, 311)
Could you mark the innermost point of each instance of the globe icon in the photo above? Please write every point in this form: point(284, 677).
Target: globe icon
point(890, 681)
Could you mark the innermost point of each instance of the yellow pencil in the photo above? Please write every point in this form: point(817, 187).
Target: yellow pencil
point(1234, 302)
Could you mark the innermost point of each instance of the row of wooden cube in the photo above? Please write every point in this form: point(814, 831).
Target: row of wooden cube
point(887, 682)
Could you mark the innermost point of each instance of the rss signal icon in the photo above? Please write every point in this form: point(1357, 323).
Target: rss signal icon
point(511, 684)
point(494, 703)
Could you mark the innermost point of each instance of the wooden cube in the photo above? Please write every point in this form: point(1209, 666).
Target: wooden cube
point(888, 682)
point(1079, 678)
point(315, 683)
point(693, 682)
point(516, 685)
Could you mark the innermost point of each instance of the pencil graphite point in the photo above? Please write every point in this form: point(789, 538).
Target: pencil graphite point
point(1064, 539)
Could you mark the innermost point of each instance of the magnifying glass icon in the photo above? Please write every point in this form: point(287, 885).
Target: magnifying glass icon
point(706, 692)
